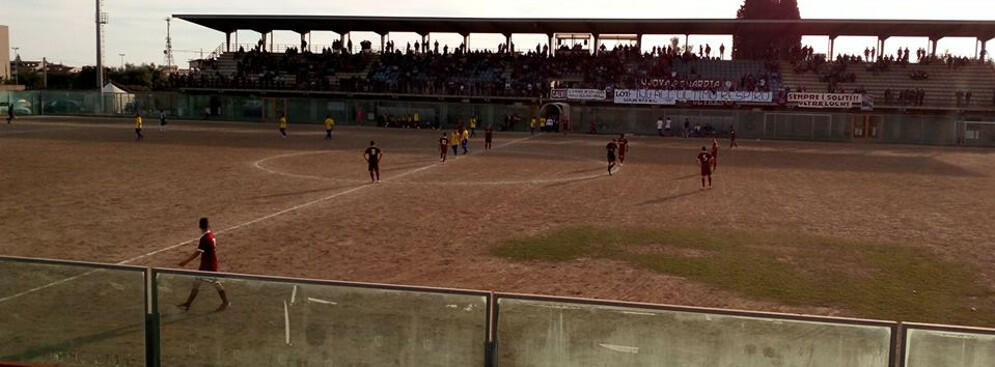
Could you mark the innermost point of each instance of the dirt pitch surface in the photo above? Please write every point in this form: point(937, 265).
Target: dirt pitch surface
point(83, 189)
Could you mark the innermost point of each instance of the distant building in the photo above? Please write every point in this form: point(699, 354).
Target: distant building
point(39, 66)
point(4, 53)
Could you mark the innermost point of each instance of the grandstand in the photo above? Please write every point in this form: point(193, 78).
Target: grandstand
point(941, 85)
point(530, 73)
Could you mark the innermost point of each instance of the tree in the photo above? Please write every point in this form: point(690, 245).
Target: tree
point(755, 43)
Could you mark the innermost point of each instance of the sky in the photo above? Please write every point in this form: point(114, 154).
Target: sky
point(63, 30)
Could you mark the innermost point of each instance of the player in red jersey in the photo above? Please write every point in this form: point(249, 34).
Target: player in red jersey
point(732, 137)
point(207, 250)
point(488, 138)
point(611, 148)
point(443, 147)
point(715, 154)
point(373, 155)
point(705, 161)
point(623, 147)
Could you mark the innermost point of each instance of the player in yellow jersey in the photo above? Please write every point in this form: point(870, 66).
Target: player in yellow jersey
point(473, 126)
point(465, 141)
point(138, 126)
point(532, 126)
point(454, 142)
point(329, 126)
point(283, 125)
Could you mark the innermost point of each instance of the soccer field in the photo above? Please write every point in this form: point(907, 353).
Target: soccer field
point(83, 189)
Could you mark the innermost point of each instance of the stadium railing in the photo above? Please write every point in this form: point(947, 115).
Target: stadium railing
point(68, 313)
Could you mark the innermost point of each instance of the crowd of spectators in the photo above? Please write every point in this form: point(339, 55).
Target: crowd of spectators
point(425, 68)
point(907, 97)
point(434, 69)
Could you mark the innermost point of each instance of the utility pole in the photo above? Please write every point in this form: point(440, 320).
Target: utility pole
point(44, 72)
point(100, 20)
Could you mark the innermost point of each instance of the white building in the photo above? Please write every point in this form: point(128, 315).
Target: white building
point(4, 52)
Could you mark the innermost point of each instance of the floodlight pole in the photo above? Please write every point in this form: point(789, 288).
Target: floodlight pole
point(100, 58)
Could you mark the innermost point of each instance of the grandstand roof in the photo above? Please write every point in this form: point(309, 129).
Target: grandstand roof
point(424, 25)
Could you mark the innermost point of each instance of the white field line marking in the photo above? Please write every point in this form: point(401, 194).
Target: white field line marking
point(259, 164)
point(316, 300)
point(238, 226)
point(286, 322)
point(620, 348)
point(293, 295)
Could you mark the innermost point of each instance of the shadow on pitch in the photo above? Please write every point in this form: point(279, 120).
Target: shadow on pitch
point(670, 198)
point(297, 193)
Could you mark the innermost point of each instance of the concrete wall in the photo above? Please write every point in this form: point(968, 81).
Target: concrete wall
point(816, 125)
point(540, 334)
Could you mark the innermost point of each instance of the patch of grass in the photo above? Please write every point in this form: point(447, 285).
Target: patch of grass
point(873, 280)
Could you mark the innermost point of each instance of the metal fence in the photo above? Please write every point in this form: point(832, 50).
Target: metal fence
point(66, 313)
point(863, 127)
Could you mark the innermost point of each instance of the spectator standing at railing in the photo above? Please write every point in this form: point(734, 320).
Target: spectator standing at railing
point(10, 113)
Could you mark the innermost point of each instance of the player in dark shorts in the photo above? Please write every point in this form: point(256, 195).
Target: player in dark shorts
point(732, 137)
point(138, 126)
point(373, 156)
point(10, 113)
point(715, 154)
point(443, 147)
point(623, 147)
point(162, 121)
point(611, 148)
point(488, 137)
point(207, 249)
point(705, 161)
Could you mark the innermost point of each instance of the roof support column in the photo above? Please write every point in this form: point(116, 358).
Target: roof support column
point(639, 43)
point(687, 43)
point(466, 42)
point(304, 41)
point(383, 43)
point(881, 40)
point(271, 41)
point(976, 40)
point(424, 42)
point(596, 43)
point(507, 43)
point(227, 41)
point(984, 49)
point(342, 42)
point(551, 49)
point(262, 41)
point(934, 40)
point(832, 46)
